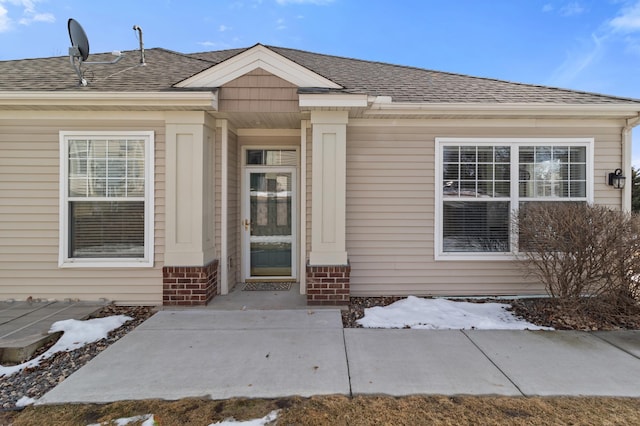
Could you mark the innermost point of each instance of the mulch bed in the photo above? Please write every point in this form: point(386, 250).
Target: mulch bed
point(549, 312)
point(540, 311)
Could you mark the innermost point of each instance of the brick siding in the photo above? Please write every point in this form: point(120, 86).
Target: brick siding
point(189, 285)
point(328, 285)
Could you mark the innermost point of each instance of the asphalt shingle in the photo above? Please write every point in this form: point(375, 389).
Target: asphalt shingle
point(165, 68)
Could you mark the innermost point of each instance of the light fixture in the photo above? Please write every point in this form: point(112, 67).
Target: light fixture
point(616, 179)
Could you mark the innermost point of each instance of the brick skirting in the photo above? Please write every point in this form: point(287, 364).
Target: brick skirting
point(189, 285)
point(328, 285)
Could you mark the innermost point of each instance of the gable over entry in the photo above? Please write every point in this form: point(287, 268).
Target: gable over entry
point(258, 99)
point(252, 59)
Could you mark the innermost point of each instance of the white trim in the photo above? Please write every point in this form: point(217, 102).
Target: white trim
point(627, 159)
point(244, 208)
point(497, 122)
point(245, 240)
point(149, 201)
point(224, 205)
point(112, 115)
point(337, 100)
point(507, 109)
point(302, 278)
point(257, 57)
point(514, 196)
point(199, 100)
point(268, 132)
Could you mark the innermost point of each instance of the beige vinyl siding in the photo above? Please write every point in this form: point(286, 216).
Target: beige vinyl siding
point(391, 210)
point(259, 91)
point(29, 217)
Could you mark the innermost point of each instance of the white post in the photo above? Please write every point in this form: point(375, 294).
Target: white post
point(188, 148)
point(328, 206)
point(224, 203)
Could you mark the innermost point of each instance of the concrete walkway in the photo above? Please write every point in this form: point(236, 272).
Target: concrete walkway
point(24, 326)
point(267, 354)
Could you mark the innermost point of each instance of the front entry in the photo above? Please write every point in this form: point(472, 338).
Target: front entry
point(269, 224)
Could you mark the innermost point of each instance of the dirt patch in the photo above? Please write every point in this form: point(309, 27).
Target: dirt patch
point(551, 313)
point(342, 410)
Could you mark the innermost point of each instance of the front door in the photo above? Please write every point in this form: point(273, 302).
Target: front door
point(269, 226)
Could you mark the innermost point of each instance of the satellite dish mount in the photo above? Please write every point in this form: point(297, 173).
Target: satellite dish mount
point(79, 50)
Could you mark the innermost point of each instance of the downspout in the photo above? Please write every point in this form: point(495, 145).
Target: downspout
point(627, 145)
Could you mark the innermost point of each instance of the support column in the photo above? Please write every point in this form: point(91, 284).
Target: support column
point(328, 268)
point(190, 268)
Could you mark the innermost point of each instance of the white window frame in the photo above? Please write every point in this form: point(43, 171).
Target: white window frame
point(514, 144)
point(64, 261)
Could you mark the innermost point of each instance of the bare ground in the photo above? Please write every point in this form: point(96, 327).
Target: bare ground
point(342, 410)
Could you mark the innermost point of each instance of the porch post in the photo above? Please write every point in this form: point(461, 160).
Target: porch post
point(190, 268)
point(328, 268)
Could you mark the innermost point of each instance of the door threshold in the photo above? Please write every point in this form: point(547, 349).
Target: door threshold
point(271, 280)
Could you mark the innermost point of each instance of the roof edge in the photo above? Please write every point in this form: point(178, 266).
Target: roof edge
point(409, 108)
point(207, 100)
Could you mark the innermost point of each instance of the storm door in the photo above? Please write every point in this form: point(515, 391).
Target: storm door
point(269, 224)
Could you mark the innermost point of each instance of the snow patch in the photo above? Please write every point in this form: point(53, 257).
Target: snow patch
point(272, 416)
point(75, 334)
point(146, 419)
point(24, 401)
point(442, 314)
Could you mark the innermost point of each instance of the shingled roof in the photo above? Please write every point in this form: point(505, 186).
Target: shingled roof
point(165, 68)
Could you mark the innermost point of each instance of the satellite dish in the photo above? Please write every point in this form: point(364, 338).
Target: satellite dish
point(79, 50)
point(78, 38)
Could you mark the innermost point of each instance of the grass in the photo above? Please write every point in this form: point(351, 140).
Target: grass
point(343, 410)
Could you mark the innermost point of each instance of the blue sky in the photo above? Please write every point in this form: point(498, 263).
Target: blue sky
point(591, 45)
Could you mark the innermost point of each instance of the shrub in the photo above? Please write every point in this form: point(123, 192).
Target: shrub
point(586, 256)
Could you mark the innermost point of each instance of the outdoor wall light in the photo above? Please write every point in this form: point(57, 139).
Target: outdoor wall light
point(616, 179)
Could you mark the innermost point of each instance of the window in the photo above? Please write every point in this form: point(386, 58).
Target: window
point(272, 157)
point(482, 182)
point(106, 208)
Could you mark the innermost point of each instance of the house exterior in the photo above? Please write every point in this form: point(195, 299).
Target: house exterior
point(172, 181)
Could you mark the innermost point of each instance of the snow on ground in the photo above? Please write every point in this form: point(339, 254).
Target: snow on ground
point(24, 401)
point(442, 314)
point(272, 416)
point(75, 335)
point(146, 419)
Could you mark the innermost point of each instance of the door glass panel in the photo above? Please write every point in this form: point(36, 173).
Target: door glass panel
point(270, 237)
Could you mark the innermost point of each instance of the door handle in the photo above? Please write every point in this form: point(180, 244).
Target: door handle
point(247, 224)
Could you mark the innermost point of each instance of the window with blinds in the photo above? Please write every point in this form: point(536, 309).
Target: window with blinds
point(484, 182)
point(107, 198)
point(476, 198)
